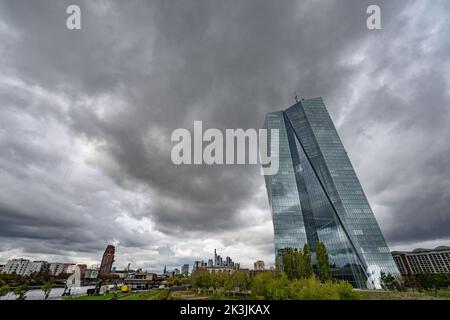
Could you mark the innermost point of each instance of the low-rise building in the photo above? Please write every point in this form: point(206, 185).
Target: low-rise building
point(72, 267)
point(17, 266)
point(253, 273)
point(24, 267)
point(145, 276)
point(69, 268)
point(216, 269)
point(421, 261)
point(36, 267)
point(56, 268)
point(122, 274)
point(91, 274)
point(259, 265)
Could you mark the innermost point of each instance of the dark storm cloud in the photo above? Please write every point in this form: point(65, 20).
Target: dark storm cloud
point(107, 98)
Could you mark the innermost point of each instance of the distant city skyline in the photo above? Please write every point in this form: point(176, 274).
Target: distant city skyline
point(26, 266)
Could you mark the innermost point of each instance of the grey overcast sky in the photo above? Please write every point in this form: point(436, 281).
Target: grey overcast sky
point(86, 118)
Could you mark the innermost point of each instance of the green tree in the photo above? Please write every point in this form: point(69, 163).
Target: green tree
point(345, 291)
point(296, 265)
point(240, 281)
point(219, 280)
point(260, 285)
point(201, 279)
point(299, 265)
point(267, 286)
point(47, 287)
point(20, 291)
point(307, 261)
point(323, 263)
point(288, 263)
point(386, 281)
point(4, 288)
point(429, 281)
point(312, 289)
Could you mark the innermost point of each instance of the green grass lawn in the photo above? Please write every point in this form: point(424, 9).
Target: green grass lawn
point(106, 296)
point(147, 295)
point(192, 295)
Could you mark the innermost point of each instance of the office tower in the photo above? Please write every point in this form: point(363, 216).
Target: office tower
point(107, 260)
point(316, 196)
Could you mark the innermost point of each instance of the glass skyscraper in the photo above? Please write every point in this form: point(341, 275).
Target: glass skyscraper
point(316, 196)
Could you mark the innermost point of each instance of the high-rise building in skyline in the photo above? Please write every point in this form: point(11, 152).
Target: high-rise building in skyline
point(185, 269)
point(316, 196)
point(107, 260)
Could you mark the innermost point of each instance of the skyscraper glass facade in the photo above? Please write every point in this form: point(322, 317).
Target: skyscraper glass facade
point(316, 196)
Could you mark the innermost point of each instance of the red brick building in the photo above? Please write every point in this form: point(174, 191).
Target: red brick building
point(107, 260)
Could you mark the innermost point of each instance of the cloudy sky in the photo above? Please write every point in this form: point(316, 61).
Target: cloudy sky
point(86, 118)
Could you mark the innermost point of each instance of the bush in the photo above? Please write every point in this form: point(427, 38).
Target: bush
point(267, 286)
point(201, 279)
point(345, 291)
point(311, 289)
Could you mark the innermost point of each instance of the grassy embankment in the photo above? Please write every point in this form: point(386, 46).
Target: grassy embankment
point(147, 295)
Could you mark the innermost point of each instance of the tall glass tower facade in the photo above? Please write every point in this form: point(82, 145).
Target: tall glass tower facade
point(316, 196)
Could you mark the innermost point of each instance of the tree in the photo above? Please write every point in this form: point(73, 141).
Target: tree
point(47, 287)
point(240, 281)
point(267, 286)
point(201, 279)
point(260, 285)
point(323, 263)
point(288, 263)
point(20, 291)
point(4, 288)
point(387, 281)
point(434, 281)
point(307, 261)
point(299, 265)
point(219, 280)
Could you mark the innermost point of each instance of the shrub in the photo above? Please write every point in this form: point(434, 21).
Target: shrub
point(268, 286)
point(345, 291)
